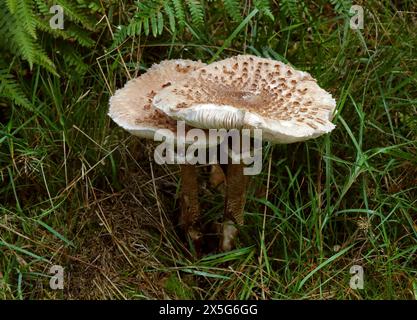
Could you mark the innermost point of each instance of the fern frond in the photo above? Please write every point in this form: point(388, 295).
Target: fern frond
point(74, 14)
point(179, 12)
point(264, 7)
point(233, 9)
point(80, 36)
point(21, 20)
point(11, 5)
point(18, 41)
point(149, 17)
point(26, 17)
point(72, 32)
point(42, 59)
point(290, 9)
point(196, 11)
point(123, 32)
point(10, 90)
point(169, 11)
point(74, 60)
point(160, 24)
point(23, 44)
point(154, 25)
point(149, 13)
point(146, 25)
point(42, 7)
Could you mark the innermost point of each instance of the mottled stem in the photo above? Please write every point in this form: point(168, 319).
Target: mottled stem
point(190, 207)
point(236, 183)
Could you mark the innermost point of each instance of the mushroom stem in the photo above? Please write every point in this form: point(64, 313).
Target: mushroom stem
point(190, 207)
point(236, 183)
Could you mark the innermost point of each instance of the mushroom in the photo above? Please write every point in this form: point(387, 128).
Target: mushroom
point(248, 92)
point(131, 108)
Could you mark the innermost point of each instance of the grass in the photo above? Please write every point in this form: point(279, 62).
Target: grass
point(77, 191)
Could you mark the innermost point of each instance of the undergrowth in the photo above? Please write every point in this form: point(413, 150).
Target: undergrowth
point(77, 191)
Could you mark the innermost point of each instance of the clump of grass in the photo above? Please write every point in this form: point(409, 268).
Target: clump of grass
point(79, 192)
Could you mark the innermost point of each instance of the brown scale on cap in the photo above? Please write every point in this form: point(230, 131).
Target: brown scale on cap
point(258, 91)
point(158, 119)
point(181, 68)
point(264, 88)
point(131, 107)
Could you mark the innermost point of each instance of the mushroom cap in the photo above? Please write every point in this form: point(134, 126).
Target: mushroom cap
point(131, 107)
point(250, 92)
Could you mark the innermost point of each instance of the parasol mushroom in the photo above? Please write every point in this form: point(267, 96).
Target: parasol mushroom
point(131, 108)
point(249, 92)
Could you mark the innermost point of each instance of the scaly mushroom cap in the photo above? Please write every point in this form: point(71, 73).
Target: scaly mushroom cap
point(131, 107)
point(251, 92)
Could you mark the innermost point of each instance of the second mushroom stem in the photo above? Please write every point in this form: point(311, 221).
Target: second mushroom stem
point(190, 207)
point(236, 193)
point(236, 183)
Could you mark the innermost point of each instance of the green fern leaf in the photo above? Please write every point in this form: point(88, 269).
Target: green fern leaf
point(264, 7)
point(80, 36)
point(160, 20)
point(11, 5)
point(42, 59)
point(171, 17)
point(123, 32)
point(179, 12)
point(148, 16)
point(42, 7)
point(73, 13)
point(146, 26)
point(154, 25)
point(233, 9)
point(72, 32)
point(120, 35)
point(74, 60)
point(25, 16)
point(11, 90)
point(290, 9)
point(23, 44)
point(196, 11)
